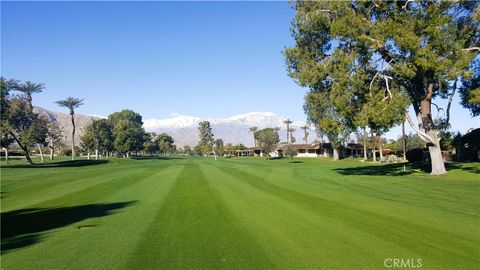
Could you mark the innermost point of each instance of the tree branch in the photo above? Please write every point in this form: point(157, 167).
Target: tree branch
point(471, 49)
point(406, 3)
point(420, 133)
point(450, 99)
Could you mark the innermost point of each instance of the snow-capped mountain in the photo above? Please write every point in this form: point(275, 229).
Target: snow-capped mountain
point(235, 129)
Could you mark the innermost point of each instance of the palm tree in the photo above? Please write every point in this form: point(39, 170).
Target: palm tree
point(71, 103)
point(288, 122)
point(305, 133)
point(29, 88)
point(253, 130)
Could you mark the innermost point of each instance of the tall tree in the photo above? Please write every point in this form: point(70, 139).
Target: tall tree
point(28, 89)
point(206, 137)
point(253, 130)
point(128, 133)
point(71, 103)
point(267, 139)
point(419, 47)
point(288, 122)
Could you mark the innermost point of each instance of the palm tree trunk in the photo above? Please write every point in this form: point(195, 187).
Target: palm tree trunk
point(73, 136)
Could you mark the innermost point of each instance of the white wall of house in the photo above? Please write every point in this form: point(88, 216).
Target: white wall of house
point(307, 155)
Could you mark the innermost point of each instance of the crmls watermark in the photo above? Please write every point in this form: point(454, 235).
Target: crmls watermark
point(403, 263)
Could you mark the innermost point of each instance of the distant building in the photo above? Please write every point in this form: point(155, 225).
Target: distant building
point(307, 150)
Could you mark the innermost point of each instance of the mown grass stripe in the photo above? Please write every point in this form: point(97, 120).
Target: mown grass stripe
point(194, 229)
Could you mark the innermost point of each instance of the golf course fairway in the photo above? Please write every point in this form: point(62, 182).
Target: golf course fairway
point(237, 213)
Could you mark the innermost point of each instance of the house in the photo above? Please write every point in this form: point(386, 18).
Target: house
point(306, 150)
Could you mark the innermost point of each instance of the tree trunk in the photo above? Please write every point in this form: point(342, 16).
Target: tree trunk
point(96, 154)
point(214, 154)
point(426, 125)
point(24, 148)
point(51, 153)
point(41, 152)
point(380, 147)
point(404, 141)
point(88, 155)
point(73, 136)
point(6, 154)
point(336, 156)
point(365, 157)
point(438, 166)
point(374, 154)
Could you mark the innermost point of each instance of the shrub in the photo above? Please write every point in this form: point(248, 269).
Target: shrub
point(415, 155)
point(289, 151)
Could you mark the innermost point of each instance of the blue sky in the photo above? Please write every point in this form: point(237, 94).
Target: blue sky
point(205, 59)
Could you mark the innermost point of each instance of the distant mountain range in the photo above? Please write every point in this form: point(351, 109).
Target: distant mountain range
point(184, 129)
point(235, 129)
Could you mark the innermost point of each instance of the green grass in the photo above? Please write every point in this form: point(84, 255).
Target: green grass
point(246, 213)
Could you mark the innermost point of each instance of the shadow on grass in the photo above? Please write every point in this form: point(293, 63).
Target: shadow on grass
point(386, 169)
point(295, 161)
point(21, 228)
point(473, 167)
point(155, 158)
point(60, 164)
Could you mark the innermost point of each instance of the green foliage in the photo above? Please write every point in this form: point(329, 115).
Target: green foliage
point(128, 133)
point(18, 122)
point(470, 92)
point(150, 145)
point(165, 144)
point(289, 151)
point(98, 136)
point(28, 88)
point(267, 139)
point(206, 137)
point(239, 147)
point(219, 147)
point(70, 103)
point(126, 115)
point(364, 62)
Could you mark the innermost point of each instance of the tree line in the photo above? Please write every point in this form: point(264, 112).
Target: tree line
point(121, 133)
point(365, 62)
